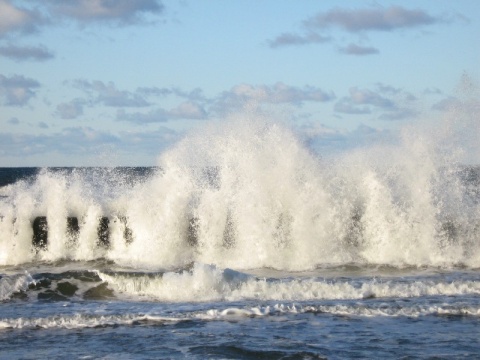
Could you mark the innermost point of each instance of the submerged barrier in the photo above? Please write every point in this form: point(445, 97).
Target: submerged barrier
point(40, 230)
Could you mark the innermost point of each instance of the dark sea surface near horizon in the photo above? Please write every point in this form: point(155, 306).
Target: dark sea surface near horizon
point(111, 304)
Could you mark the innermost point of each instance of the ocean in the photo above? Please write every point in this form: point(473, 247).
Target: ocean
point(243, 243)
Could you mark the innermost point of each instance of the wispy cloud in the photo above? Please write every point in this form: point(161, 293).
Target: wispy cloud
point(278, 93)
point(191, 105)
point(184, 111)
point(69, 140)
point(148, 142)
point(446, 104)
point(399, 113)
point(358, 50)
point(24, 53)
point(14, 121)
point(368, 97)
point(360, 101)
point(393, 104)
point(287, 39)
point(347, 106)
point(85, 141)
point(326, 140)
point(376, 19)
point(17, 90)
point(432, 91)
point(108, 94)
point(315, 29)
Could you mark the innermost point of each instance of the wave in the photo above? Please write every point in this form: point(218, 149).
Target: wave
point(81, 321)
point(208, 283)
point(343, 310)
point(247, 193)
point(203, 283)
point(10, 285)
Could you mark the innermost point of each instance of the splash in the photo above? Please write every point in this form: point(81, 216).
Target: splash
point(247, 193)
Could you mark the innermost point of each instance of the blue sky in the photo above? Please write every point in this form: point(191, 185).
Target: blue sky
point(100, 82)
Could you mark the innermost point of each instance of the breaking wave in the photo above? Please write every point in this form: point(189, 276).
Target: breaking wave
point(247, 193)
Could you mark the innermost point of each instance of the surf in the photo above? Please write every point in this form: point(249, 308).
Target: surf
point(248, 193)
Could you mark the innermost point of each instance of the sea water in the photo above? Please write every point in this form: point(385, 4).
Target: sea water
point(245, 243)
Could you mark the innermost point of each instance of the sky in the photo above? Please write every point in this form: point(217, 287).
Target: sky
point(116, 82)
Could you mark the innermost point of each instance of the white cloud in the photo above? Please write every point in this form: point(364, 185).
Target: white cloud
point(15, 19)
point(118, 11)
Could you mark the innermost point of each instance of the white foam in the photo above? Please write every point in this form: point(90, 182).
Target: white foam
point(209, 283)
point(80, 321)
point(258, 198)
point(361, 310)
point(12, 284)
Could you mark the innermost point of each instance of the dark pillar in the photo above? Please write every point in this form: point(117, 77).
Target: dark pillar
point(103, 231)
point(73, 227)
point(40, 232)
